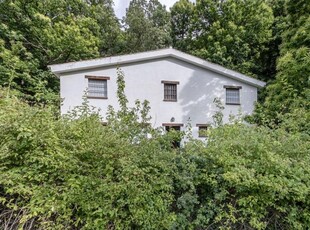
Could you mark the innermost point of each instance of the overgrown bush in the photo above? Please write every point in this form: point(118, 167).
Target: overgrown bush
point(245, 178)
point(76, 173)
point(72, 172)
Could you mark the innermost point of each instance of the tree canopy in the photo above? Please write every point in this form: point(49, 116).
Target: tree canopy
point(246, 36)
point(230, 33)
point(39, 33)
point(147, 26)
point(290, 91)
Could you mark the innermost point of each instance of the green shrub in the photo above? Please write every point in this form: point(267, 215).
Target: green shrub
point(244, 178)
point(72, 172)
point(76, 173)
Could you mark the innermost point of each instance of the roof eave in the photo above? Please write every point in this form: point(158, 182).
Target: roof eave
point(60, 69)
point(221, 70)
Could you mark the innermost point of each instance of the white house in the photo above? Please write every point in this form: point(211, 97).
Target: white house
point(179, 86)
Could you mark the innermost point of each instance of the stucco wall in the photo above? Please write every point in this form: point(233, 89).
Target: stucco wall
point(196, 91)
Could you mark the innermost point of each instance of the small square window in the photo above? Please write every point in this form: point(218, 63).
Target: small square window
point(176, 143)
point(170, 90)
point(97, 87)
point(202, 130)
point(233, 95)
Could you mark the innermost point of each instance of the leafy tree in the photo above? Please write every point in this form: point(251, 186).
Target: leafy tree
point(147, 26)
point(52, 32)
point(19, 72)
point(231, 33)
point(55, 32)
point(269, 57)
point(290, 90)
point(182, 24)
point(111, 38)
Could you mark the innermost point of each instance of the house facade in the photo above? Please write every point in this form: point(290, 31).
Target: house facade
point(181, 88)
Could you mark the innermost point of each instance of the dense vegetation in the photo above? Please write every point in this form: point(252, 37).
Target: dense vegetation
point(266, 39)
point(71, 172)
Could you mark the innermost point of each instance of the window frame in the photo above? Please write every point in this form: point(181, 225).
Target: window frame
point(203, 126)
point(100, 78)
point(174, 83)
point(236, 88)
point(171, 126)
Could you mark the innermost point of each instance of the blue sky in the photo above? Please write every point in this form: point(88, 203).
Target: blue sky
point(121, 5)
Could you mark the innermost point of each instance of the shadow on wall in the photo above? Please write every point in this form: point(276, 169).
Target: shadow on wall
point(197, 97)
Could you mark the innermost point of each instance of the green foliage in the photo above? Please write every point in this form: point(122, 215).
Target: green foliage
point(147, 26)
point(76, 173)
point(269, 56)
point(34, 34)
point(130, 123)
point(73, 172)
point(19, 72)
point(246, 177)
point(289, 92)
point(218, 116)
point(60, 31)
point(182, 24)
point(230, 33)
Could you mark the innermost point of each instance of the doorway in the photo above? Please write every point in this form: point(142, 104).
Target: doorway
point(176, 142)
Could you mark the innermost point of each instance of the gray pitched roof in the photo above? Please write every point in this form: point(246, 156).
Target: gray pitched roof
point(59, 69)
